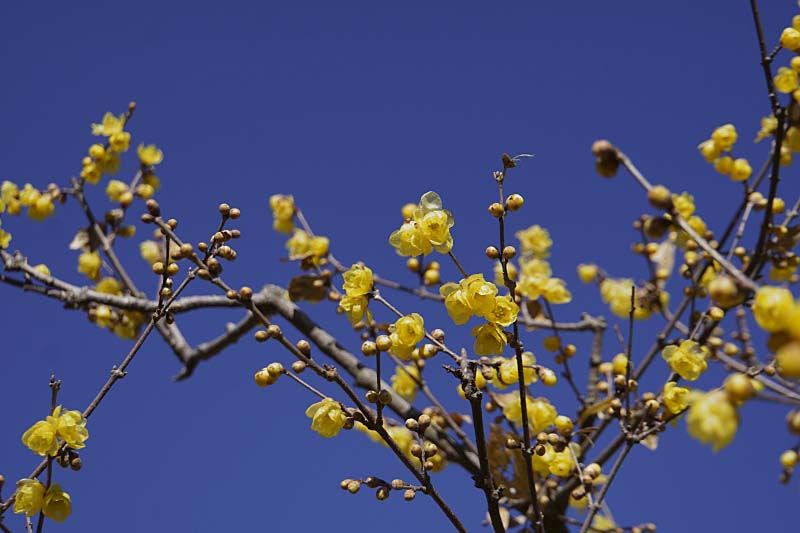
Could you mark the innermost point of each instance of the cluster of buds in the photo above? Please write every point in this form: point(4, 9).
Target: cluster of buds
point(269, 374)
point(382, 488)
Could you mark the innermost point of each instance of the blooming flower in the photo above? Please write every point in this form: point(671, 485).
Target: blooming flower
point(355, 308)
point(89, 264)
point(42, 437)
point(535, 241)
point(725, 137)
point(109, 125)
point(150, 251)
point(712, 419)
point(688, 359)
point(57, 504)
point(283, 209)
point(357, 280)
point(676, 398)
point(115, 189)
point(29, 496)
point(587, 272)
point(772, 308)
point(428, 229)
point(507, 372)
point(404, 381)
point(327, 417)
point(149, 154)
point(490, 339)
point(405, 333)
point(71, 427)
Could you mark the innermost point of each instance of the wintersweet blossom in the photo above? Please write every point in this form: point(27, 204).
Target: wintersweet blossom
point(29, 497)
point(712, 419)
point(327, 417)
point(687, 359)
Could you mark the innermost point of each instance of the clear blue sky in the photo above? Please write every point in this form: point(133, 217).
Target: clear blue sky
point(357, 108)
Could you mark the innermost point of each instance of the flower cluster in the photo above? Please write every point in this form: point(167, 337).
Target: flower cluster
point(717, 150)
point(302, 245)
point(535, 274)
point(405, 381)
point(46, 436)
point(776, 311)
point(688, 359)
point(31, 497)
point(541, 413)
point(426, 229)
point(712, 419)
point(40, 203)
point(474, 296)
point(283, 210)
point(405, 334)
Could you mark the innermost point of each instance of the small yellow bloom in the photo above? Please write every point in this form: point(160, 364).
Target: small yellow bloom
point(283, 209)
point(5, 238)
point(712, 419)
point(404, 381)
point(790, 38)
point(723, 164)
point(405, 333)
point(57, 504)
point(327, 417)
point(768, 125)
point(89, 264)
point(29, 496)
point(109, 125)
point(119, 142)
point(150, 251)
point(42, 269)
point(355, 308)
point(785, 80)
point(109, 285)
point(505, 311)
point(676, 398)
point(684, 204)
point(28, 195)
point(150, 155)
point(772, 308)
point(72, 428)
point(428, 229)
point(41, 208)
point(725, 137)
point(535, 241)
point(42, 437)
point(507, 372)
point(115, 189)
point(562, 463)
point(709, 150)
point(740, 170)
point(358, 280)
point(587, 272)
point(688, 359)
point(479, 294)
point(490, 339)
point(456, 303)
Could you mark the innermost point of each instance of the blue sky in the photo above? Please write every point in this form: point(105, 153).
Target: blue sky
point(357, 108)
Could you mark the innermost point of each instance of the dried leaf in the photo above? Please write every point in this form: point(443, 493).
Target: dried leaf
point(311, 288)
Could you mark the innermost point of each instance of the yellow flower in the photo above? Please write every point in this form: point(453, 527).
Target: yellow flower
point(109, 125)
point(782, 273)
point(358, 280)
point(768, 126)
point(57, 504)
point(71, 427)
point(5, 238)
point(42, 437)
point(410, 241)
point(456, 303)
point(479, 294)
point(741, 170)
point(507, 372)
point(28, 195)
point(684, 204)
point(150, 251)
point(92, 173)
point(688, 359)
point(505, 311)
point(603, 523)
point(513, 273)
point(676, 398)
point(109, 285)
point(788, 360)
point(725, 137)
point(89, 263)
point(29, 496)
point(405, 333)
point(282, 212)
point(712, 419)
point(724, 164)
point(785, 80)
point(541, 414)
point(41, 208)
point(103, 316)
point(9, 191)
point(587, 272)
point(355, 307)
point(562, 463)
point(119, 142)
point(429, 228)
point(535, 241)
point(790, 38)
point(327, 417)
point(480, 382)
point(772, 308)
point(115, 189)
point(150, 155)
point(709, 150)
point(541, 463)
point(404, 381)
point(490, 339)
